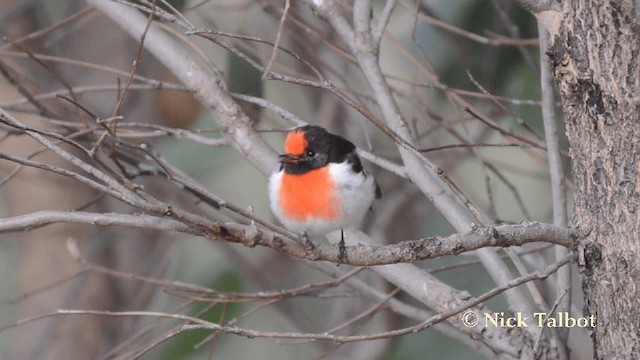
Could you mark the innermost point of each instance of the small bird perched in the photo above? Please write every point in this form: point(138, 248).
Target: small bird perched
point(321, 185)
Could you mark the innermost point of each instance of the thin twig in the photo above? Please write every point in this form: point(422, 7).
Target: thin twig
point(200, 324)
point(134, 69)
point(503, 41)
point(7, 73)
point(536, 348)
point(368, 312)
point(274, 53)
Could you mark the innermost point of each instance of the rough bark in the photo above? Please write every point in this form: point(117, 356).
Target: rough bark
point(597, 69)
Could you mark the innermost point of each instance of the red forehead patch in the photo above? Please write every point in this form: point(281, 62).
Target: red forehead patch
point(296, 143)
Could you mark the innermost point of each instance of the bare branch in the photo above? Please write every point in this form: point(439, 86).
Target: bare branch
point(456, 208)
point(43, 218)
point(498, 41)
point(362, 14)
point(358, 255)
point(379, 27)
point(556, 169)
point(197, 323)
point(514, 31)
point(207, 87)
point(277, 42)
point(535, 7)
point(134, 69)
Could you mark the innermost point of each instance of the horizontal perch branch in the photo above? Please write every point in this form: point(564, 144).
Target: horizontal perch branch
point(359, 255)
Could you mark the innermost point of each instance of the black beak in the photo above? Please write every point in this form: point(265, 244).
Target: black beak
point(289, 158)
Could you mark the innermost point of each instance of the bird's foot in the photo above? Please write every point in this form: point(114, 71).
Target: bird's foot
point(342, 249)
point(308, 242)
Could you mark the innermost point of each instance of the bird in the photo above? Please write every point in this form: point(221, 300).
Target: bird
point(321, 185)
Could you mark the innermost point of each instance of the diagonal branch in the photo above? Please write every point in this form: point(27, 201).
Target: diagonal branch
point(207, 87)
point(445, 196)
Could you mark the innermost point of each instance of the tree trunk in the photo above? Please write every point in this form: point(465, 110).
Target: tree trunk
point(597, 68)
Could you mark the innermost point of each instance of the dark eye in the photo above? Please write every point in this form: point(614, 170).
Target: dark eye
point(311, 153)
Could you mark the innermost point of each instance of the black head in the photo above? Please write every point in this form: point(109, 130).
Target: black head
point(311, 147)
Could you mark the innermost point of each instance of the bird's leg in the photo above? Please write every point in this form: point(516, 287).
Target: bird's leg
point(308, 242)
point(342, 249)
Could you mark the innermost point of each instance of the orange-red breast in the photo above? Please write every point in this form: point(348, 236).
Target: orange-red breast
point(321, 185)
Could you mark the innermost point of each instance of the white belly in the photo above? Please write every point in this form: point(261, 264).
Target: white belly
point(355, 191)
